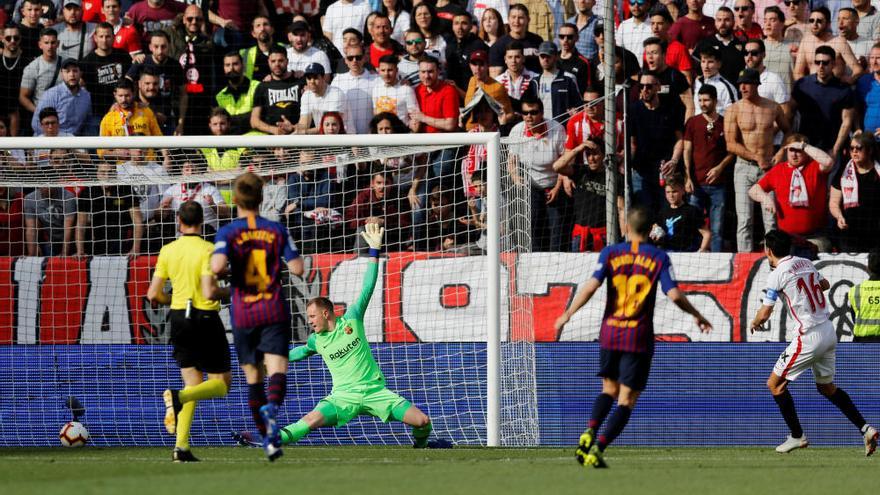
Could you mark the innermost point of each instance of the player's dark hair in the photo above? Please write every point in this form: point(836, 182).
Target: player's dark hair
point(247, 191)
point(322, 303)
point(778, 242)
point(874, 264)
point(190, 213)
point(640, 220)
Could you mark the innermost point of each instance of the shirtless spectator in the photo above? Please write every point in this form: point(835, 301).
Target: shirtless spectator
point(820, 35)
point(749, 130)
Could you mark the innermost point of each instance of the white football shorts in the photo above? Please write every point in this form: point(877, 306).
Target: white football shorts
point(814, 349)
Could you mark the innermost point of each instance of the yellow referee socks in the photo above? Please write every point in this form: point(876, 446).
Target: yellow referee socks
point(184, 422)
point(205, 390)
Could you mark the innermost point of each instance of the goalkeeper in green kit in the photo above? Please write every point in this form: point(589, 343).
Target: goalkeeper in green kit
point(358, 383)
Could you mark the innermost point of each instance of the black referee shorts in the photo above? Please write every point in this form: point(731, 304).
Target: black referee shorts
point(200, 341)
point(629, 368)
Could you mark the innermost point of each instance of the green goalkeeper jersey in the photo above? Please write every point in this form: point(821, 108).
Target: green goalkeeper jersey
point(344, 348)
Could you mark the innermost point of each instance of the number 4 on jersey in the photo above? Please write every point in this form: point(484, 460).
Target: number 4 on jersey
point(255, 272)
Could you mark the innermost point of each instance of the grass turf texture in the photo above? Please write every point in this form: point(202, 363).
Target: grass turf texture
point(384, 470)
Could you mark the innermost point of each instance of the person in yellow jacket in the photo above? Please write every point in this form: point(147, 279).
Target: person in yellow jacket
point(864, 302)
point(127, 118)
point(219, 159)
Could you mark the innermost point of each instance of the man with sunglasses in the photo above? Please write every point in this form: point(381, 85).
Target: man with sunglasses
point(10, 77)
point(632, 33)
point(357, 84)
point(821, 30)
point(409, 63)
point(745, 25)
point(797, 24)
point(277, 100)
point(772, 87)
point(572, 61)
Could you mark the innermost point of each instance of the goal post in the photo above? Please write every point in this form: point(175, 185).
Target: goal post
point(31, 175)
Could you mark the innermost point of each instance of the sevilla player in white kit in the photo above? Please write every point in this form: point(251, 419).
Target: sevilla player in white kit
point(797, 282)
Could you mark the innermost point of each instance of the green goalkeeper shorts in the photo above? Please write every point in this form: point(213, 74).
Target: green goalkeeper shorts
point(339, 408)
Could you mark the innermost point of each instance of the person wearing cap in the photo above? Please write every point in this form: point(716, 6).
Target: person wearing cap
point(73, 102)
point(459, 48)
point(479, 66)
point(556, 88)
point(729, 48)
point(710, 68)
point(301, 54)
point(319, 98)
point(632, 33)
point(75, 37)
point(748, 131)
point(277, 100)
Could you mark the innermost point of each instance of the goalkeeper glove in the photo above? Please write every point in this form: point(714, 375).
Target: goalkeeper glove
point(373, 235)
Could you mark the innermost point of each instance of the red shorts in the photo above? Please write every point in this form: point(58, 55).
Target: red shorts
point(584, 238)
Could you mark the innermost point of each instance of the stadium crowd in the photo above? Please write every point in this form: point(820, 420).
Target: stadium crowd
point(728, 110)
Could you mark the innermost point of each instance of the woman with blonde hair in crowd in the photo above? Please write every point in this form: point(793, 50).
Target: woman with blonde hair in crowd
point(491, 26)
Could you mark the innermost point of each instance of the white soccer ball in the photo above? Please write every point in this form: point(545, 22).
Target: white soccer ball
point(73, 434)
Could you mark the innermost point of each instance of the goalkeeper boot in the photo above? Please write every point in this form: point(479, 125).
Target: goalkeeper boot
point(247, 439)
point(595, 458)
point(792, 443)
point(588, 437)
point(871, 437)
point(172, 409)
point(181, 455)
point(439, 444)
point(272, 441)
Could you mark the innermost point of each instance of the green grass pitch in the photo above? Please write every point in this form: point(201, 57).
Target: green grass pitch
point(386, 470)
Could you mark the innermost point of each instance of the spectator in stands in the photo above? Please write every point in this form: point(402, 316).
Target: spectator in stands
point(220, 124)
point(855, 197)
point(42, 73)
point(109, 219)
point(517, 80)
point(127, 117)
point(376, 203)
point(826, 103)
point(318, 99)
point(632, 32)
point(72, 102)
point(848, 25)
point(409, 64)
point(693, 27)
point(545, 17)
point(537, 142)
point(11, 222)
point(399, 17)
point(126, 36)
point(301, 54)
point(153, 15)
point(357, 85)
point(237, 97)
point(748, 130)
point(170, 102)
point(655, 132)
point(557, 89)
point(438, 101)
point(676, 55)
point(30, 27)
point(680, 226)
point(277, 100)
point(74, 36)
point(350, 37)
point(626, 65)
point(10, 160)
point(772, 87)
point(571, 60)
point(584, 22)
point(424, 19)
point(459, 48)
point(310, 200)
point(382, 44)
point(342, 15)
point(589, 124)
point(777, 51)
point(102, 71)
point(479, 66)
point(11, 77)
point(231, 18)
point(820, 28)
point(274, 188)
point(797, 23)
point(868, 88)
point(49, 219)
point(727, 47)
point(204, 193)
point(518, 19)
point(256, 58)
point(492, 25)
point(391, 95)
point(398, 168)
point(745, 26)
point(800, 185)
point(445, 232)
point(446, 10)
point(710, 67)
point(149, 179)
point(675, 88)
point(49, 126)
point(869, 20)
point(706, 161)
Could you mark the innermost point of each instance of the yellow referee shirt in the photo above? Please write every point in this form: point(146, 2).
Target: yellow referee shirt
point(184, 261)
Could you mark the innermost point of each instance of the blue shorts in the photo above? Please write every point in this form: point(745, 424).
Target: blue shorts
point(629, 368)
point(252, 343)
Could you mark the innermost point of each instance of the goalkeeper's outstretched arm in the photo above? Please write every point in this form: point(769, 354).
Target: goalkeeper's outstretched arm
point(301, 352)
point(372, 234)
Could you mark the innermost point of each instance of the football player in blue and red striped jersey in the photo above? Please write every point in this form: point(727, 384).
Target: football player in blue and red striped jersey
point(632, 269)
point(254, 249)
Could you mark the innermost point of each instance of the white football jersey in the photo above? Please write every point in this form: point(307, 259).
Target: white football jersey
point(797, 282)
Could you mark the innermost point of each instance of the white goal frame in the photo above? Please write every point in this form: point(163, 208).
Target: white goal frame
point(491, 140)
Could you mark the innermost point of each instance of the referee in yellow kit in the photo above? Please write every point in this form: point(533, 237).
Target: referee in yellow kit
point(197, 334)
point(864, 302)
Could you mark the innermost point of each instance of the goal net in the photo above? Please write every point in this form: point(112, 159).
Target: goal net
point(84, 218)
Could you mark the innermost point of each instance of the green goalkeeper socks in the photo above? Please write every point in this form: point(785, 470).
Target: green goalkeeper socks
point(420, 436)
point(205, 390)
point(294, 433)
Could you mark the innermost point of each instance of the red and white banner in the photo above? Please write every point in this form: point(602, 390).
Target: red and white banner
point(418, 298)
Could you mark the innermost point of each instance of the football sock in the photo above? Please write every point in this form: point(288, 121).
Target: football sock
point(615, 426)
point(786, 407)
point(277, 388)
point(206, 390)
point(256, 400)
point(601, 408)
point(294, 433)
point(420, 435)
point(184, 422)
point(841, 399)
